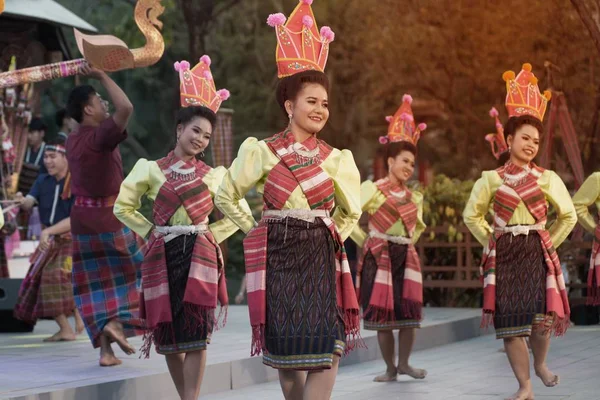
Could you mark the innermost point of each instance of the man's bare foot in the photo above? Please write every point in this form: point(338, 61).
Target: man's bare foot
point(114, 330)
point(109, 360)
point(547, 377)
point(415, 373)
point(388, 376)
point(522, 394)
point(61, 336)
point(79, 326)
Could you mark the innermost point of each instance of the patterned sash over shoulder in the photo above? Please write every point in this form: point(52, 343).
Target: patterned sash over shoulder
point(302, 304)
point(523, 281)
point(380, 307)
point(205, 282)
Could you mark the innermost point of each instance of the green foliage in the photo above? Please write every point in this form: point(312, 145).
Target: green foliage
point(443, 203)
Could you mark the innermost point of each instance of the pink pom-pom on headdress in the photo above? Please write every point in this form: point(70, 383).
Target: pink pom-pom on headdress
point(223, 94)
point(206, 60)
point(493, 112)
point(422, 126)
point(308, 21)
point(307, 2)
point(406, 116)
point(207, 75)
point(327, 33)
point(276, 19)
point(383, 139)
point(181, 66)
point(389, 118)
point(407, 97)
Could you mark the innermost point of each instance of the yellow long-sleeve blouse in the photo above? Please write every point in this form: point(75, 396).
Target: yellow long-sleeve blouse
point(146, 178)
point(554, 190)
point(588, 194)
point(371, 199)
point(251, 168)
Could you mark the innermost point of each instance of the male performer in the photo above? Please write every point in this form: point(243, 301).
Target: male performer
point(46, 291)
point(106, 256)
point(34, 155)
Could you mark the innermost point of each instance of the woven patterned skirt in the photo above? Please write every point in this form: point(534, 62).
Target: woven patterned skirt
point(520, 285)
point(47, 291)
point(106, 281)
point(398, 258)
point(181, 336)
point(304, 327)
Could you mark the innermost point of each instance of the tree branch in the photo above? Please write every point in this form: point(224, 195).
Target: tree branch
point(588, 21)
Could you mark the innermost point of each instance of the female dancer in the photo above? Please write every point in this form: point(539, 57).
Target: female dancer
point(395, 224)
point(300, 294)
point(588, 194)
point(524, 290)
point(182, 273)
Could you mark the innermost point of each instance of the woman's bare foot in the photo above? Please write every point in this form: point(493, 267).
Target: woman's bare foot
point(109, 360)
point(61, 336)
point(388, 376)
point(547, 377)
point(522, 394)
point(414, 373)
point(114, 330)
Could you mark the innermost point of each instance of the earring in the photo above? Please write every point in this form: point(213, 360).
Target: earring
point(202, 154)
point(509, 148)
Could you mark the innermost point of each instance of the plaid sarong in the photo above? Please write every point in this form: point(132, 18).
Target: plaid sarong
point(106, 281)
point(47, 291)
point(206, 280)
point(283, 179)
point(593, 282)
point(520, 185)
point(381, 303)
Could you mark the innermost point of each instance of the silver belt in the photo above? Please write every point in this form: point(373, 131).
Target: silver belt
point(390, 238)
point(171, 232)
point(516, 230)
point(298, 213)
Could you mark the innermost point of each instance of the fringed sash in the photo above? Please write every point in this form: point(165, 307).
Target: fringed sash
point(593, 282)
point(381, 303)
point(296, 169)
point(521, 185)
point(206, 280)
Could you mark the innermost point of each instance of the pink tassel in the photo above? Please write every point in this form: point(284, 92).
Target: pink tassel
point(407, 97)
point(181, 66)
point(258, 337)
point(383, 139)
point(307, 21)
point(389, 118)
point(276, 19)
point(493, 112)
point(147, 341)
point(487, 320)
point(422, 126)
point(406, 117)
point(207, 75)
point(223, 94)
point(206, 60)
point(307, 2)
point(327, 33)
